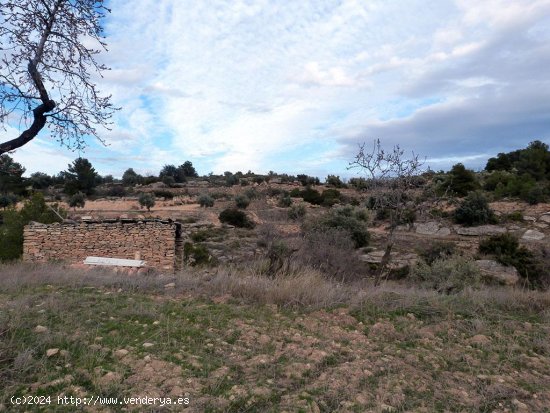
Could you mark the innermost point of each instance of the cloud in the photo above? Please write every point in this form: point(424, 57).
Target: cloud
point(234, 85)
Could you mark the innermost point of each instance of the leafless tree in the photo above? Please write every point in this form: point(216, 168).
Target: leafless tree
point(390, 178)
point(48, 55)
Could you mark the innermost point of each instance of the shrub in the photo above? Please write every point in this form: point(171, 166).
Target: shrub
point(285, 201)
point(116, 191)
point(296, 212)
point(161, 193)
point(11, 231)
point(330, 197)
point(474, 210)
point(448, 275)
point(335, 181)
point(437, 251)
point(196, 254)
point(460, 180)
point(146, 200)
point(295, 193)
point(535, 195)
point(236, 218)
point(206, 201)
point(505, 249)
point(311, 196)
point(345, 218)
point(7, 199)
point(331, 250)
point(251, 193)
point(77, 200)
point(242, 201)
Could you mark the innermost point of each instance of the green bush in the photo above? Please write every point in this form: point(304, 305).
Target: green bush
point(311, 196)
point(195, 255)
point(296, 212)
point(162, 193)
point(242, 201)
point(285, 201)
point(206, 201)
point(146, 200)
point(449, 275)
point(77, 200)
point(345, 218)
point(236, 218)
point(437, 251)
point(331, 197)
point(505, 249)
point(7, 200)
point(474, 210)
point(460, 180)
point(11, 230)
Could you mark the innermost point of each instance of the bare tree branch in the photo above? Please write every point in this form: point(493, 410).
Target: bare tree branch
point(46, 67)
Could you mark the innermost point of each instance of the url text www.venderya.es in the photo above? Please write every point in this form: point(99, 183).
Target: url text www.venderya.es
point(100, 401)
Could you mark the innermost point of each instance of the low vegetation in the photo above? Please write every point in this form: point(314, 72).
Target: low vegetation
point(235, 340)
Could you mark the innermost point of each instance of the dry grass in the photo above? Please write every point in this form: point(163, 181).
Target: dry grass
point(236, 341)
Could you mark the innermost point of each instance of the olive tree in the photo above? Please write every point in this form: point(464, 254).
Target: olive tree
point(48, 58)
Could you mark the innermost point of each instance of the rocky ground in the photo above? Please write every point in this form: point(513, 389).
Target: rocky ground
point(269, 346)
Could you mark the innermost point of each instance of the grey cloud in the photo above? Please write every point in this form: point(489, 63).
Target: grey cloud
point(488, 124)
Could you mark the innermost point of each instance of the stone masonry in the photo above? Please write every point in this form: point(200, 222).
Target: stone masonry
point(154, 241)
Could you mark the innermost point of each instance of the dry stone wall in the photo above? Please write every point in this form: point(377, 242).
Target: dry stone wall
point(151, 241)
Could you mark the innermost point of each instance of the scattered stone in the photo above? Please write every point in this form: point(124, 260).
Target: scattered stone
point(529, 218)
point(519, 405)
point(382, 329)
point(480, 340)
point(170, 285)
point(532, 235)
point(110, 378)
point(148, 345)
point(121, 353)
point(498, 272)
point(40, 329)
point(541, 225)
point(545, 218)
point(427, 228)
point(52, 352)
point(479, 231)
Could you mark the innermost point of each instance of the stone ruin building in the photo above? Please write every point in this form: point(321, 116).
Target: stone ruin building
point(158, 242)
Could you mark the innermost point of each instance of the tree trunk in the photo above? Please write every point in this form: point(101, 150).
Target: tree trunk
point(383, 263)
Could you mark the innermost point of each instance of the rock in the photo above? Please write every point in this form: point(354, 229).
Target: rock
point(64, 353)
point(545, 218)
point(51, 352)
point(443, 232)
point(479, 231)
point(480, 340)
point(529, 218)
point(40, 329)
point(110, 378)
point(170, 285)
point(382, 329)
point(541, 225)
point(121, 353)
point(532, 235)
point(427, 228)
point(519, 405)
point(148, 345)
point(498, 272)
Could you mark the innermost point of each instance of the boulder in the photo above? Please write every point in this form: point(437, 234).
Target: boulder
point(427, 228)
point(532, 235)
point(498, 272)
point(480, 230)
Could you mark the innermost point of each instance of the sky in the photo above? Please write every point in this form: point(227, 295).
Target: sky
point(295, 87)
